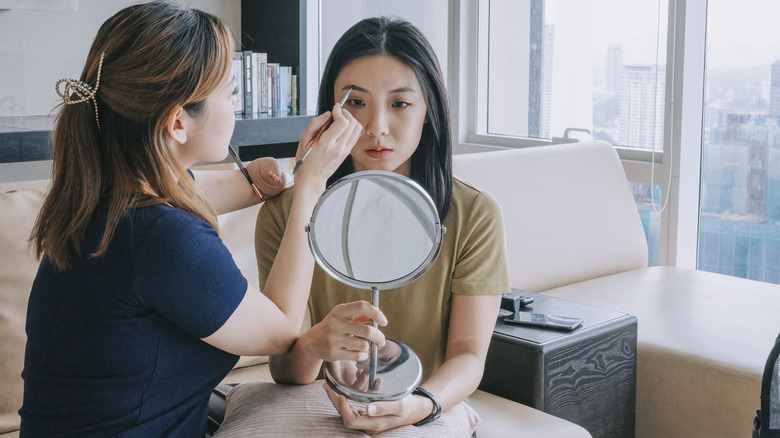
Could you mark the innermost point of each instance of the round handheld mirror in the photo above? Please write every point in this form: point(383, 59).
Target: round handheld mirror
point(375, 230)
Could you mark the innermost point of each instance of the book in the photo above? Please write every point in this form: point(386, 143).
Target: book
point(285, 90)
point(261, 87)
point(273, 82)
point(294, 91)
point(256, 82)
point(249, 74)
point(265, 88)
point(238, 75)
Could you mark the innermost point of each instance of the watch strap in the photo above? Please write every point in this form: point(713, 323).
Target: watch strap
point(436, 406)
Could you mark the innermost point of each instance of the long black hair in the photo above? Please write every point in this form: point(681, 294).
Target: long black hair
point(431, 165)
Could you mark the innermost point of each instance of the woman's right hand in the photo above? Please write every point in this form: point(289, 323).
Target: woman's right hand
point(332, 147)
point(345, 333)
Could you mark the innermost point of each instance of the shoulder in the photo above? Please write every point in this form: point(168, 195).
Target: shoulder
point(467, 197)
point(472, 209)
point(165, 216)
point(161, 226)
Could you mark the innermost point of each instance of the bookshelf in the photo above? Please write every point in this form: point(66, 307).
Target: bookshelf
point(269, 26)
point(281, 29)
point(27, 138)
point(24, 139)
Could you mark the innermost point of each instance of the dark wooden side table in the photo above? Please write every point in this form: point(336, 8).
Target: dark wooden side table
point(586, 376)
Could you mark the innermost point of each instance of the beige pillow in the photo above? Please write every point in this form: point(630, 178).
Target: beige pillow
point(18, 266)
point(264, 409)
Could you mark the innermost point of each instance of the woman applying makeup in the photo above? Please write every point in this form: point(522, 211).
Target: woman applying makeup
point(138, 309)
point(447, 315)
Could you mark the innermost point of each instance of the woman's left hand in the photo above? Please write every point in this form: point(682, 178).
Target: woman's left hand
point(378, 417)
point(268, 176)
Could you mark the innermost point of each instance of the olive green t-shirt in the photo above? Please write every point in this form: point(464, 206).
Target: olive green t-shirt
point(472, 261)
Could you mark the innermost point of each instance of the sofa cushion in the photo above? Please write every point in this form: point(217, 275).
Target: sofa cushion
point(275, 410)
point(568, 211)
point(18, 266)
point(702, 344)
point(503, 418)
point(237, 230)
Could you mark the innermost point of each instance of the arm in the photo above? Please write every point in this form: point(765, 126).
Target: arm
point(472, 320)
point(228, 190)
point(268, 323)
point(343, 335)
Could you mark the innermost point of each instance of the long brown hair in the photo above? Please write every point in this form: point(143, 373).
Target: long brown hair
point(156, 57)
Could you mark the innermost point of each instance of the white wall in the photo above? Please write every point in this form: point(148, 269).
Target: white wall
point(430, 16)
point(38, 47)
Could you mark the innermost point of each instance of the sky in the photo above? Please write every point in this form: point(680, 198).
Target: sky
point(739, 33)
point(743, 33)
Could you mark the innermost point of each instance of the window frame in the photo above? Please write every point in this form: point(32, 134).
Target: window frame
point(677, 168)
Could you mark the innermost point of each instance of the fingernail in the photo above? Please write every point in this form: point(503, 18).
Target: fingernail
point(371, 409)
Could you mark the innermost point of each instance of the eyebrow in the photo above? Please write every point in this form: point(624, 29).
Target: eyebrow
point(396, 90)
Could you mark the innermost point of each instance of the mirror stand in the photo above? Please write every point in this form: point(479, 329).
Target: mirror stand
point(375, 229)
point(373, 354)
point(400, 370)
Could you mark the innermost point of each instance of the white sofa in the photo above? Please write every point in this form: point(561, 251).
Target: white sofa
point(573, 232)
point(19, 203)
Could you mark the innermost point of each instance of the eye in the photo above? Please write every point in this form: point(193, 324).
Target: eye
point(356, 102)
point(235, 91)
point(401, 104)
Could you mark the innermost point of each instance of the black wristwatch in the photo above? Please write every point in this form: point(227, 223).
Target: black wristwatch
point(436, 406)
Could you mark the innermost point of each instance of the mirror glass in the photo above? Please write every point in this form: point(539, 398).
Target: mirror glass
point(376, 230)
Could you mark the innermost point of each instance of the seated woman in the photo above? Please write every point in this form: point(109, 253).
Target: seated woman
point(447, 315)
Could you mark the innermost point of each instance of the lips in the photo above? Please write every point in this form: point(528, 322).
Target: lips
point(378, 152)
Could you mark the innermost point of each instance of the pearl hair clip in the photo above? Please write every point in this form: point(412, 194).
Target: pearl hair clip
point(81, 89)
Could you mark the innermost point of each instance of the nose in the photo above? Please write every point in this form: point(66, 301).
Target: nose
point(376, 125)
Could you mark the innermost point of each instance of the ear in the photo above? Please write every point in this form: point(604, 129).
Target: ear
point(176, 126)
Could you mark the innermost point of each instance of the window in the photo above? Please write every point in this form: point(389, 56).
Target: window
point(552, 69)
point(647, 203)
point(739, 222)
point(593, 65)
point(712, 151)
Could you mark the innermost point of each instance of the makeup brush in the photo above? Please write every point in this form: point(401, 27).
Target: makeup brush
point(243, 170)
point(319, 134)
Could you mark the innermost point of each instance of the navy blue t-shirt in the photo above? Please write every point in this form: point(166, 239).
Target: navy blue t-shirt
point(114, 344)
